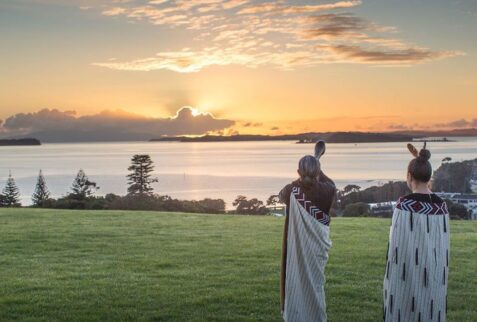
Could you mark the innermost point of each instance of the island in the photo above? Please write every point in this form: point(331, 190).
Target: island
point(434, 140)
point(15, 142)
point(330, 137)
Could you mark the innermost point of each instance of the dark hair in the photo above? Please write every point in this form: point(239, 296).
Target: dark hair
point(420, 168)
point(308, 168)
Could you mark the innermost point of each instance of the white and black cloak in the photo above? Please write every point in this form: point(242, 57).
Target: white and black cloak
point(304, 257)
point(417, 261)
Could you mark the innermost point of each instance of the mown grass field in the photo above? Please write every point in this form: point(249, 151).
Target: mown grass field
point(149, 266)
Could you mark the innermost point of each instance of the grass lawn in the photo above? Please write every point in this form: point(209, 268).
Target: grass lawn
point(119, 266)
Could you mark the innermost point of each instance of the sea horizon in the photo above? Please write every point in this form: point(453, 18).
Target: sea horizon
point(218, 170)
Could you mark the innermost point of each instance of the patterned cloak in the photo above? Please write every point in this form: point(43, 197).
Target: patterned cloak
point(417, 263)
point(305, 254)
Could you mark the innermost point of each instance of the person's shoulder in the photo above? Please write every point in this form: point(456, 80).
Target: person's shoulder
point(409, 196)
point(421, 197)
point(327, 186)
point(437, 199)
point(295, 183)
point(286, 190)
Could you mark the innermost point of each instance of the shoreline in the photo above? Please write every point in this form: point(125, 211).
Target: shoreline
point(20, 142)
point(448, 139)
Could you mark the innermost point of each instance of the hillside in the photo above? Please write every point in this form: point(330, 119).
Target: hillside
point(112, 266)
point(443, 133)
point(455, 176)
point(10, 142)
point(330, 137)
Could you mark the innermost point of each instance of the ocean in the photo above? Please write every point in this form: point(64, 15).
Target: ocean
point(213, 169)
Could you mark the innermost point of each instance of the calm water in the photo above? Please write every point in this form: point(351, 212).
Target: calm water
point(215, 170)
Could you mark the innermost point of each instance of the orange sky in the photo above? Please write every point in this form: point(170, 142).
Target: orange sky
point(353, 66)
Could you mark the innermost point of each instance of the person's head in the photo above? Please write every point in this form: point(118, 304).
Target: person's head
point(308, 169)
point(419, 170)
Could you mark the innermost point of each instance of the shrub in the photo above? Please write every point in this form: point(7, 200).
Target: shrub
point(245, 206)
point(457, 210)
point(358, 209)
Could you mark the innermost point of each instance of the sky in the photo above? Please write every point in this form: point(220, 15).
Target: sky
point(236, 66)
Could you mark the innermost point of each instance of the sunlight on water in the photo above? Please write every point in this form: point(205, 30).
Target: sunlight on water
point(216, 169)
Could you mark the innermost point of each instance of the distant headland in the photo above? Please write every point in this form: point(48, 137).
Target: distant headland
point(13, 142)
point(330, 137)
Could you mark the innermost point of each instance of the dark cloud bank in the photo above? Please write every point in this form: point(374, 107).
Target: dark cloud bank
point(52, 125)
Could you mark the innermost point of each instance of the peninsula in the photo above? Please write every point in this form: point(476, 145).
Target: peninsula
point(330, 137)
point(14, 142)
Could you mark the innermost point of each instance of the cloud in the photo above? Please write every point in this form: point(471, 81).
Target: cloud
point(385, 55)
point(225, 132)
point(52, 125)
point(280, 9)
point(234, 3)
point(182, 61)
point(399, 127)
point(281, 34)
point(451, 125)
point(334, 25)
point(251, 124)
point(116, 11)
point(458, 124)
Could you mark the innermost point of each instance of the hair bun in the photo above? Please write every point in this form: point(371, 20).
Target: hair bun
point(425, 154)
point(308, 181)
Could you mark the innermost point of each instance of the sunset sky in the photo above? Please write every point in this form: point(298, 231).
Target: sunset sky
point(269, 67)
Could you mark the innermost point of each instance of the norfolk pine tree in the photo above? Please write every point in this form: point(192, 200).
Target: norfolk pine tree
point(41, 194)
point(11, 193)
point(140, 178)
point(82, 188)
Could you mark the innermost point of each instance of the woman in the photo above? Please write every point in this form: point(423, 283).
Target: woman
point(306, 242)
point(417, 262)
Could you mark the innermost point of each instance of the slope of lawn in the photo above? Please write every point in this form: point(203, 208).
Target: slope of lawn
point(121, 266)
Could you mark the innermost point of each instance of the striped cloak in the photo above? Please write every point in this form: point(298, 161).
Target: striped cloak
point(417, 263)
point(305, 254)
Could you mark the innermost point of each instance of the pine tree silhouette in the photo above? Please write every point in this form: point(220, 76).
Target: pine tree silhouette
point(140, 178)
point(41, 194)
point(11, 193)
point(82, 188)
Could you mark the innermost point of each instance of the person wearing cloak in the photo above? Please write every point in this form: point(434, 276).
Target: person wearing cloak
point(306, 240)
point(417, 261)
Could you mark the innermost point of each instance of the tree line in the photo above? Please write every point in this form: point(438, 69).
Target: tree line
point(140, 195)
point(351, 201)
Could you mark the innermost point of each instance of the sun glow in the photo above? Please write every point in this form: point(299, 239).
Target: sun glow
point(195, 111)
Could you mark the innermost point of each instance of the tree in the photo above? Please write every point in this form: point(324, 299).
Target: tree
point(273, 200)
point(359, 209)
point(351, 188)
point(140, 178)
point(457, 210)
point(388, 192)
point(212, 205)
point(446, 159)
point(453, 177)
point(239, 200)
point(82, 188)
point(249, 207)
point(41, 194)
point(11, 193)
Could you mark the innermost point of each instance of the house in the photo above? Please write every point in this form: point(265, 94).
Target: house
point(468, 200)
point(385, 209)
point(382, 209)
point(473, 177)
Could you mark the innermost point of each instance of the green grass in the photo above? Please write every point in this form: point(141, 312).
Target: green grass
point(118, 266)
